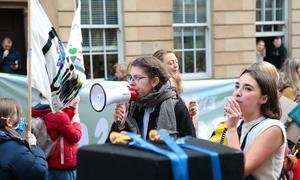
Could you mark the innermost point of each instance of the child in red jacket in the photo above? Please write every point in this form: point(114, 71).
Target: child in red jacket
point(64, 128)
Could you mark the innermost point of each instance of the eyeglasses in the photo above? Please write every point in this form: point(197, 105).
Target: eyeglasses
point(135, 78)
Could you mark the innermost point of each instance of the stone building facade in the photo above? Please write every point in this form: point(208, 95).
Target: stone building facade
point(221, 39)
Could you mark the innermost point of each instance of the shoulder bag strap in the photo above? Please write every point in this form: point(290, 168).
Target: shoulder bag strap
point(245, 138)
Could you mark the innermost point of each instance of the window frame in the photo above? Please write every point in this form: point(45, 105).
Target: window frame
point(103, 27)
point(283, 22)
point(207, 49)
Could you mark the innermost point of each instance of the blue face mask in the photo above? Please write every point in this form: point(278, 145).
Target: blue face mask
point(21, 125)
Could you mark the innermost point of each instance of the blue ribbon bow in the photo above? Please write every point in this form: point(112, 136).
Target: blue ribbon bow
point(175, 160)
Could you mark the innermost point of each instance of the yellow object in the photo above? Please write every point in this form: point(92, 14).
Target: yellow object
point(119, 138)
point(289, 93)
point(154, 136)
point(219, 134)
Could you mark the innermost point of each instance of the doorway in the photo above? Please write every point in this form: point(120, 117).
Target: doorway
point(12, 25)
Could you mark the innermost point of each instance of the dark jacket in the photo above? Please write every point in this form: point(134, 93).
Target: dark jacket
point(17, 161)
point(276, 56)
point(8, 64)
point(184, 123)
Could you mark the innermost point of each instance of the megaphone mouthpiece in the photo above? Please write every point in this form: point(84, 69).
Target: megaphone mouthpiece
point(134, 94)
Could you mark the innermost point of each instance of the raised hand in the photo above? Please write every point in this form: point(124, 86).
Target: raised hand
point(120, 114)
point(233, 112)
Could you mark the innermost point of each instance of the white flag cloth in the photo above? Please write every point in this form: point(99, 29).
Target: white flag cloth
point(74, 46)
point(53, 73)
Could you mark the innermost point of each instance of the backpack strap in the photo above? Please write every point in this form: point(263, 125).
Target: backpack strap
point(62, 152)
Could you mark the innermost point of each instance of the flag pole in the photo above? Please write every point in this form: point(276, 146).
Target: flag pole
point(29, 77)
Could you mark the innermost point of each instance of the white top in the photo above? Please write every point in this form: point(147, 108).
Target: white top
point(146, 117)
point(271, 168)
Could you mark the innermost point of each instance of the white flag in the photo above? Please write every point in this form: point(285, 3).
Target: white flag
point(74, 46)
point(53, 73)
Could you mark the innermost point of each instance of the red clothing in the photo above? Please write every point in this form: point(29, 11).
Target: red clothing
point(59, 125)
point(297, 171)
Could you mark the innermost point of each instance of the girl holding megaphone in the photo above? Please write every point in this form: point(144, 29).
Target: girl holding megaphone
point(157, 105)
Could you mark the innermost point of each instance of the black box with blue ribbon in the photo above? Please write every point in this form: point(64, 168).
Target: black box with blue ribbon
point(186, 159)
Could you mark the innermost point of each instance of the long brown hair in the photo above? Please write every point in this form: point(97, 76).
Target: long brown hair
point(268, 86)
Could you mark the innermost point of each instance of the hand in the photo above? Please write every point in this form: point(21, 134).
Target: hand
point(31, 139)
point(120, 114)
point(5, 53)
point(193, 108)
point(233, 112)
point(75, 103)
point(75, 118)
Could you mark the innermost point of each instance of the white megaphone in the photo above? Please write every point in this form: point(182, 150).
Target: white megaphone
point(100, 98)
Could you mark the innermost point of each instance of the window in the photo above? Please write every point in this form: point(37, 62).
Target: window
point(270, 18)
point(101, 36)
point(191, 37)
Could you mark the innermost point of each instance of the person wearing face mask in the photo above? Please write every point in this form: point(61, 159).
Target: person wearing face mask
point(254, 127)
point(157, 105)
point(19, 159)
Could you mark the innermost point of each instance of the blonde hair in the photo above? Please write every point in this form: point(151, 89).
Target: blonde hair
point(175, 78)
point(289, 76)
point(122, 68)
point(267, 68)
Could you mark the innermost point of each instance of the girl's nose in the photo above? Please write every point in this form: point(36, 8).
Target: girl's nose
point(132, 83)
point(176, 64)
point(237, 92)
